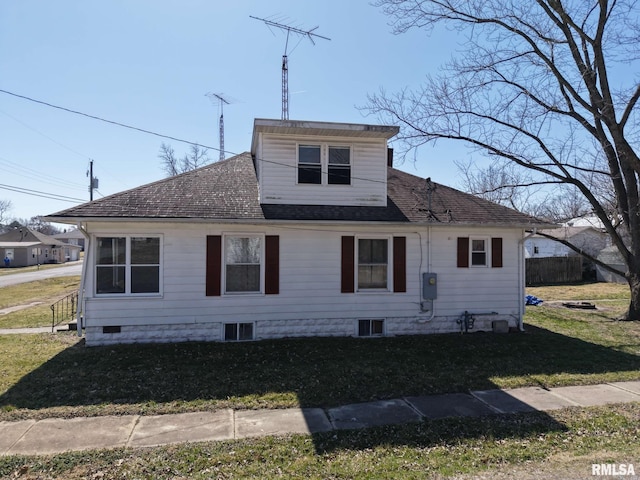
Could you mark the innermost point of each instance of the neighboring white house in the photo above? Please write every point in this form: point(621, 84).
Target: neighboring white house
point(587, 238)
point(310, 234)
point(72, 237)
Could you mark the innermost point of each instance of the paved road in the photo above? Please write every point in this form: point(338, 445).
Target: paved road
point(74, 268)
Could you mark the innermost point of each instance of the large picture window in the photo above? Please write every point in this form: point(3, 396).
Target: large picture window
point(242, 264)
point(373, 263)
point(128, 265)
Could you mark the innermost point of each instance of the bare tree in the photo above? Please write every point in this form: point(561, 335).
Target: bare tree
point(39, 225)
point(172, 165)
point(500, 183)
point(543, 84)
point(5, 208)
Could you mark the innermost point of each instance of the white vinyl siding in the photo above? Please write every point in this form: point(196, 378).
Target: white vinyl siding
point(309, 293)
point(278, 167)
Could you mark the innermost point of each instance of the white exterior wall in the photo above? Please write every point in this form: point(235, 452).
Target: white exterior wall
point(310, 302)
point(546, 248)
point(277, 168)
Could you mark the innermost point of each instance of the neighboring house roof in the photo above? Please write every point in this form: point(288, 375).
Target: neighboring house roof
point(228, 190)
point(25, 237)
point(18, 244)
point(587, 221)
point(71, 234)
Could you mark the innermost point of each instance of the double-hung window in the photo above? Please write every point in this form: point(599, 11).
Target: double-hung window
point(339, 166)
point(309, 164)
point(479, 252)
point(128, 265)
point(373, 263)
point(243, 264)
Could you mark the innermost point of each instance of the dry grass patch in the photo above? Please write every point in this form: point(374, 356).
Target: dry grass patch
point(582, 292)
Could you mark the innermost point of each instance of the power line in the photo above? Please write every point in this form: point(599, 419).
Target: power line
point(45, 136)
point(108, 121)
point(16, 169)
point(37, 193)
point(163, 136)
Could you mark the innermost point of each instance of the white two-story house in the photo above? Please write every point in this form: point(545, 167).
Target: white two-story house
point(312, 233)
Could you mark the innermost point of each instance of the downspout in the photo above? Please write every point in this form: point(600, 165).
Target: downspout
point(83, 278)
point(521, 278)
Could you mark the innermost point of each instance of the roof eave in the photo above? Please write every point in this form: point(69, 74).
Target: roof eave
point(263, 221)
point(303, 127)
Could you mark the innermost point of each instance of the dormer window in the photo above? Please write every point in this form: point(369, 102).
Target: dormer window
point(339, 168)
point(309, 164)
point(324, 164)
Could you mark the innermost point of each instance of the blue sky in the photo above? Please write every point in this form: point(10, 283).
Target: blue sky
point(150, 64)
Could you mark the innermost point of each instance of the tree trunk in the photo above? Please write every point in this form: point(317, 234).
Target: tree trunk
point(634, 305)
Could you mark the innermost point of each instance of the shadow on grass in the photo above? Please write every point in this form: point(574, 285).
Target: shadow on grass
point(314, 372)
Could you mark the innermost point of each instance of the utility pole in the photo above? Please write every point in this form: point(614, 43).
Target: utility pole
point(285, 61)
point(93, 182)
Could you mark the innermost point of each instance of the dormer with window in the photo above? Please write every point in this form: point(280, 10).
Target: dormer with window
point(321, 163)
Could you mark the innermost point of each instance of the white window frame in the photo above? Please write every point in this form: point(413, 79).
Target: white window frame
point(237, 339)
point(389, 240)
point(260, 236)
point(127, 265)
point(302, 165)
point(371, 320)
point(486, 251)
point(339, 165)
point(324, 162)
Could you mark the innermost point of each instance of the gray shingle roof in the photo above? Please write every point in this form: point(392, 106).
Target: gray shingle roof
point(228, 190)
point(26, 235)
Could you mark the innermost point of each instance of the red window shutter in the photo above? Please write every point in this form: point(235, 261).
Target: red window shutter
point(272, 265)
point(496, 252)
point(348, 268)
point(399, 264)
point(463, 252)
point(214, 265)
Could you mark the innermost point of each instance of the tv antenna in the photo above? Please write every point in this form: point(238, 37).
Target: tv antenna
point(221, 101)
point(285, 67)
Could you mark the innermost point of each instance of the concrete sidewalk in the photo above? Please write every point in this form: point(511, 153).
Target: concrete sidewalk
point(53, 435)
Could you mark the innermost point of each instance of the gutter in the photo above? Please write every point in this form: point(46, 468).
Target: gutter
point(275, 221)
point(83, 279)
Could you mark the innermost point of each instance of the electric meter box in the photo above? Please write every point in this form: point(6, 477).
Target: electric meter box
point(429, 286)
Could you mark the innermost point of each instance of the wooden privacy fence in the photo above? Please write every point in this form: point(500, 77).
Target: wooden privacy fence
point(548, 270)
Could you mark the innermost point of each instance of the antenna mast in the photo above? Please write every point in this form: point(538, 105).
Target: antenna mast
point(221, 101)
point(285, 63)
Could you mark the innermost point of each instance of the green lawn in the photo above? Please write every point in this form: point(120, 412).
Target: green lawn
point(44, 291)
point(55, 375)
